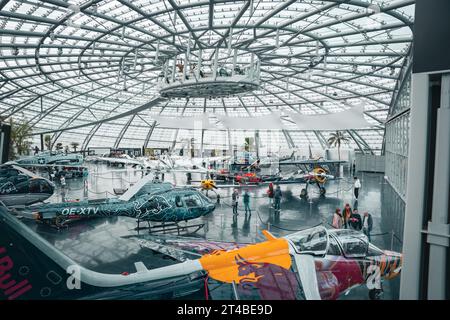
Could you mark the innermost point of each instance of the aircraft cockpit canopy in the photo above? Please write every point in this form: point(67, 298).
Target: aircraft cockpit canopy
point(313, 241)
point(354, 244)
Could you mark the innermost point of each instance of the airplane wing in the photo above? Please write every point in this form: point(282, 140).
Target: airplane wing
point(318, 162)
point(25, 171)
point(136, 187)
point(306, 270)
point(51, 165)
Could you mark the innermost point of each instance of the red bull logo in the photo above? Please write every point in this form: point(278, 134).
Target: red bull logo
point(10, 287)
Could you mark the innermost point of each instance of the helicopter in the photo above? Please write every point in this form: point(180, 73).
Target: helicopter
point(147, 200)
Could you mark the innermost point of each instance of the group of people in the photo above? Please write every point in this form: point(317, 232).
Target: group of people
point(272, 193)
point(349, 219)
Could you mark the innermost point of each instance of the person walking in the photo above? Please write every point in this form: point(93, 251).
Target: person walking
point(235, 199)
point(367, 224)
point(357, 186)
point(277, 196)
point(337, 219)
point(346, 214)
point(246, 199)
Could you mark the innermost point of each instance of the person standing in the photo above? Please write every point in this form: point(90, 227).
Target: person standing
point(277, 197)
point(355, 220)
point(246, 199)
point(357, 186)
point(346, 214)
point(337, 219)
point(63, 181)
point(367, 224)
point(270, 193)
point(86, 188)
point(189, 177)
point(235, 199)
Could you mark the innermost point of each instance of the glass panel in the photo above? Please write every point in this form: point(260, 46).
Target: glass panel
point(192, 201)
point(354, 244)
point(314, 241)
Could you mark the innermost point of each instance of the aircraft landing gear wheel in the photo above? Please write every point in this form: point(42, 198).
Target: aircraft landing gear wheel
point(375, 294)
point(322, 191)
point(303, 193)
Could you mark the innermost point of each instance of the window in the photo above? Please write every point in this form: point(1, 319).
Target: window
point(314, 240)
point(178, 202)
point(373, 251)
point(192, 201)
point(333, 249)
point(354, 244)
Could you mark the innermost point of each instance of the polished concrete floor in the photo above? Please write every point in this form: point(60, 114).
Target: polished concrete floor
point(112, 245)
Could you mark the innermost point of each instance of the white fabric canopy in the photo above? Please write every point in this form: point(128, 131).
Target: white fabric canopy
point(352, 118)
point(271, 121)
point(196, 122)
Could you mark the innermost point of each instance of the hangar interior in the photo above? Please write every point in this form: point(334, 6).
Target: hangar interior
point(141, 140)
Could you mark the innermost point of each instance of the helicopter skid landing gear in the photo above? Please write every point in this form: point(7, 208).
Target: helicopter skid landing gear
point(170, 228)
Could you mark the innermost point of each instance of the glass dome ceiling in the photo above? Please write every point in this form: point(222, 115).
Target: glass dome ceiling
point(87, 71)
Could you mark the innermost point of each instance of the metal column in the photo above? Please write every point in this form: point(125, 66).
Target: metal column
point(201, 144)
point(415, 200)
point(257, 143)
point(439, 228)
point(42, 142)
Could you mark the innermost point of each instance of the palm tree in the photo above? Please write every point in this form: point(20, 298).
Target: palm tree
point(336, 139)
point(48, 142)
point(59, 146)
point(75, 146)
point(20, 138)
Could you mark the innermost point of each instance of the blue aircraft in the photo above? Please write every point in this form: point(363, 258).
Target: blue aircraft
point(146, 201)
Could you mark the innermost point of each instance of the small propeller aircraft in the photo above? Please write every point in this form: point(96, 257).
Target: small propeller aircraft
point(311, 264)
point(19, 186)
point(312, 171)
point(146, 201)
point(51, 157)
point(115, 159)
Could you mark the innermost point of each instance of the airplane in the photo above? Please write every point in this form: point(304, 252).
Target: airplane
point(19, 186)
point(312, 171)
point(69, 171)
point(115, 159)
point(51, 158)
point(312, 264)
point(205, 163)
point(153, 164)
point(146, 201)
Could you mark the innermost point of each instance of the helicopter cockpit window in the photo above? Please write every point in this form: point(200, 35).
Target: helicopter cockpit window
point(192, 201)
point(313, 241)
point(45, 187)
point(178, 201)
